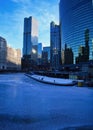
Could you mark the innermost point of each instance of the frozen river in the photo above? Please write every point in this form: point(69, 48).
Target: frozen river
point(26, 104)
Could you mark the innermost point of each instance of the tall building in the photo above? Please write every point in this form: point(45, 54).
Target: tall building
point(75, 17)
point(55, 46)
point(30, 43)
point(39, 53)
point(45, 58)
point(34, 54)
point(68, 53)
point(47, 49)
point(30, 36)
point(39, 50)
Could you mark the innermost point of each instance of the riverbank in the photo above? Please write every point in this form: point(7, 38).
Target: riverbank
point(51, 80)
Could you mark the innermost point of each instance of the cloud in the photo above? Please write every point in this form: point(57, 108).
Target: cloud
point(41, 10)
point(21, 1)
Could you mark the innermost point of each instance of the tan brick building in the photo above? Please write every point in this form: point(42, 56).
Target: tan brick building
point(10, 58)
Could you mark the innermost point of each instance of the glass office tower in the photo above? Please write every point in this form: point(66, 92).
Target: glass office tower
point(39, 50)
point(55, 46)
point(30, 36)
point(47, 49)
point(30, 43)
point(76, 16)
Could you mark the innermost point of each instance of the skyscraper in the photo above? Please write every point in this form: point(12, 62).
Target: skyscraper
point(68, 53)
point(39, 53)
point(47, 49)
point(30, 41)
point(55, 46)
point(76, 16)
point(39, 50)
point(30, 36)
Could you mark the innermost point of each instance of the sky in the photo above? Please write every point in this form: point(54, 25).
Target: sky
point(13, 12)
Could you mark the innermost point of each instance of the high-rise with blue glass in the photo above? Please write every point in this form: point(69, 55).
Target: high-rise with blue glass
point(55, 46)
point(30, 36)
point(76, 16)
point(47, 49)
point(30, 43)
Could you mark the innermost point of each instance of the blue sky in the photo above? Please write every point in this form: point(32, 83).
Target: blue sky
point(12, 13)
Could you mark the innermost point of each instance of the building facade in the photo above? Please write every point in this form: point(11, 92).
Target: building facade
point(30, 43)
point(55, 46)
point(68, 53)
point(3, 53)
point(30, 36)
point(45, 58)
point(76, 16)
point(39, 53)
point(13, 59)
point(40, 50)
point(10, 58)
point(47, 49)
point(83, 53)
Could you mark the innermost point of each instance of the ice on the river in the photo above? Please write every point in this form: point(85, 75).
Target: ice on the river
point(26, 104)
